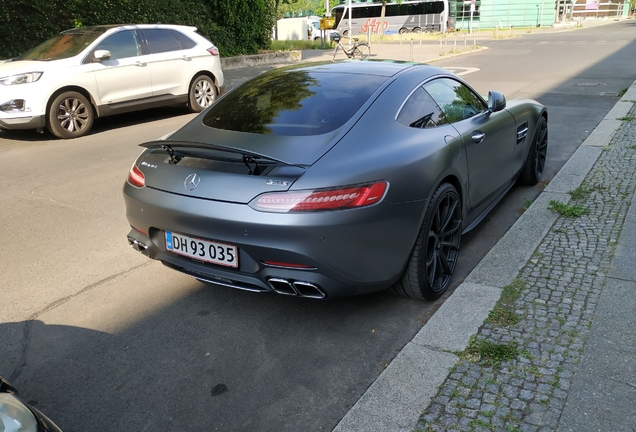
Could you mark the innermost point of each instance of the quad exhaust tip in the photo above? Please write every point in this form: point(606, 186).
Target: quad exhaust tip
point(296, 288)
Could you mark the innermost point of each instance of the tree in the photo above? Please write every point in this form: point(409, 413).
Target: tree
point(382, 13)
point(298, 7)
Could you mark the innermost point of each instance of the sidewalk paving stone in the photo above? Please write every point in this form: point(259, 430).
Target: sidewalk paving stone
point(568, 303)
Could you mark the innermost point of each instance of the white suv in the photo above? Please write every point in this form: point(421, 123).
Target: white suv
point(80, 74)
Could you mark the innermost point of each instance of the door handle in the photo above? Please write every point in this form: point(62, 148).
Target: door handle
point(140, 64)
point(186, 58)
point(478, 136)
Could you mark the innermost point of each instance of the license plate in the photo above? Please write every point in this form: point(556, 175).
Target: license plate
point(202, 250)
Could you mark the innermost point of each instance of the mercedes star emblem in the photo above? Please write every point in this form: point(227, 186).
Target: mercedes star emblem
point(192, 181)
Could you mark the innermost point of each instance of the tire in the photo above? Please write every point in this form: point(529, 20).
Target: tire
point(532, 171)
point(417, 30)
point(362, 51)
point(202, 93)
point(345, 33)
point(434, 257)
point(70, 115)
point(403, 30)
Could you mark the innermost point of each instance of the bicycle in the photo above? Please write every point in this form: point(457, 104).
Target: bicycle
point(359, 50)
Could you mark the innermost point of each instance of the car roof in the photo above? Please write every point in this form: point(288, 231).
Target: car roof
point(106, 27)
point(385, 68)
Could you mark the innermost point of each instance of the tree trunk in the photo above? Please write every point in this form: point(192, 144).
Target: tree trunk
point(381, 29)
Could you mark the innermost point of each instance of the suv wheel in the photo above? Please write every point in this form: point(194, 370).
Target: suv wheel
point(70, 116)
point(202, 93)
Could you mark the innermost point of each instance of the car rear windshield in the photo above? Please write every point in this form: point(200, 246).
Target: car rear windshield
point(64, 45)
point(296, 103)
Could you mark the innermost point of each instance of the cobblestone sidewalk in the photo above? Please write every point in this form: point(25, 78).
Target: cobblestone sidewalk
point(516, 373)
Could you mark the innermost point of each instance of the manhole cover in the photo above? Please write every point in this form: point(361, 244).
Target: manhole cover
point(587, 84)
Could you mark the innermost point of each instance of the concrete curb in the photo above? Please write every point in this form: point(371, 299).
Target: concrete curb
point(464, 312)
point(447, 56)
point(260, 59)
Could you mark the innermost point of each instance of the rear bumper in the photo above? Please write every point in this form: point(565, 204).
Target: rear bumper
point(348, 252)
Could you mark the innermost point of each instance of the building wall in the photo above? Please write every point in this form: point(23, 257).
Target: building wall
point(506, 13)
point(600, 8)
point(531, 13)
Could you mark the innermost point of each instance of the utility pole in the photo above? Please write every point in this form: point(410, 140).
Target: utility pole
point(350, 35)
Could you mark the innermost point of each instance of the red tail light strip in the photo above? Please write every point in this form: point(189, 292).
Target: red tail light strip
point(321, 199)
point(136, 178)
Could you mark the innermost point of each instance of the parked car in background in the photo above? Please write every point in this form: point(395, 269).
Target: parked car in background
point(67, 81)
point(16, 415)
point(333, 179)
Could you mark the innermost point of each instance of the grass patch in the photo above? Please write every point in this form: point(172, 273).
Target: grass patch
point(489, 352)
point(583, 191)
point(291, 45)
point(526, 354)
point(626, 118)
point(513, 291)
point(527, 203)
point(622, 92)
point(502, 314)
point(633, 147)
point(567, 210)
point(473, 423)
point(502, 317)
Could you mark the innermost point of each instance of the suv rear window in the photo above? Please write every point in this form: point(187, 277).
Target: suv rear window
point(296, 102)
point(186, 42)
point(161, 40)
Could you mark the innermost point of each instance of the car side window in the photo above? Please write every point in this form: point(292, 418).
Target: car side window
point(161, 40)
point(456, 100)
point(420, 111)
point(186, 42)
point(121, 45)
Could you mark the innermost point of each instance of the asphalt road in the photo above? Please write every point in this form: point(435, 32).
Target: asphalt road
point(100, 338)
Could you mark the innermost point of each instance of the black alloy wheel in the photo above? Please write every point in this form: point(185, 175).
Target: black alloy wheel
point(535, 163)
point(434, 256)
point(70, 115)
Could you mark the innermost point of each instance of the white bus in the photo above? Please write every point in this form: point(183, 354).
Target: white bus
point(409, 16)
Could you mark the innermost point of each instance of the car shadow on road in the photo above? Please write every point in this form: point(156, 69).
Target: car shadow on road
point(216, 358)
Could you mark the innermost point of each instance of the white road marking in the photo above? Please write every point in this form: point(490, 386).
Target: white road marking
point(459, 70)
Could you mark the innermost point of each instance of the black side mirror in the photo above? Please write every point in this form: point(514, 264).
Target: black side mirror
point(496, 101)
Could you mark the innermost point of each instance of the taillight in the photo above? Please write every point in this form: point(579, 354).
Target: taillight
point(320, 199)
point(136, 178)
point(213, 50)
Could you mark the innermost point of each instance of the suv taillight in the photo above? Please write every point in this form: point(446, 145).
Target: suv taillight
point(136, 178)
point(320, 199)
point(213, 50)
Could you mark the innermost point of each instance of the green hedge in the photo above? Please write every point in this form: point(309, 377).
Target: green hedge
point(235, 26)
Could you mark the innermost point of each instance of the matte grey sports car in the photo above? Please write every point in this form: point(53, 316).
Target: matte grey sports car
point(324, 180)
